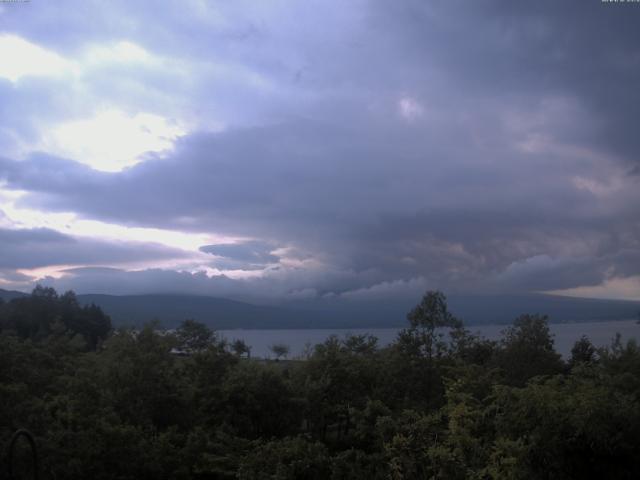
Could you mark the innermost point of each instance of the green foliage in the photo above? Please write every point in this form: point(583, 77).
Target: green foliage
point(423, 337)
point(583, 352)
point(44, 314)
point(287, 459)
point(439, 403)
point(576, 426)
point(527, 350)
point(258, 401)
point(193, 336)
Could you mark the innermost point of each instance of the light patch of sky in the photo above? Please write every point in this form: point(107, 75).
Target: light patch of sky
point(53, 271)
point(613, 288)
point(233, 274)
point(118, 52)
point(20, 58)
point(108, 139)
point(410, 109)
point(70, 224)
point(112, 140)
point(598, 187)
point(12, 216)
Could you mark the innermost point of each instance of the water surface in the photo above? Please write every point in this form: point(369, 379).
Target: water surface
point(565, 335)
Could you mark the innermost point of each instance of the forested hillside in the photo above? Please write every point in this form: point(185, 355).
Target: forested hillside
point(125, 404)
point(221, 313)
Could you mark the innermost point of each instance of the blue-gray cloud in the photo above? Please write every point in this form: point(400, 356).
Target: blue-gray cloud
point(251, 255)
point(473, 146)
point(40, 247)
point(380, 219)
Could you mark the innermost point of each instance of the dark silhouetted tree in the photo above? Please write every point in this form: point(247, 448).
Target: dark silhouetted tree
point(193, 336)
point(527, 350)
point(240, 348)
point(583, 351)
point(280, 350)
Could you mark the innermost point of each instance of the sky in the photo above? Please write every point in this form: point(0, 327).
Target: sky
point(289, 150)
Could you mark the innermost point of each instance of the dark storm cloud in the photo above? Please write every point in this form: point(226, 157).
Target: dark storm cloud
point(454, 223)
point(471, 145)
point(546, 273)
point(41, 247)
point(587, 50)
point(154, 280)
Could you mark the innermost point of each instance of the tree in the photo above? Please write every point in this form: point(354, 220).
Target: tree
point(43, 313)
point(425, 407)
point(583, 351)
point(141, 375)
point(339, 377)
point(280, 350)
point(414, 364)
point(287, 459)
point(361, 344)
point(193, 336)
point(256, 400)
point(426, 320)
point(527, 350)
point(240, 348)
point(574, 426)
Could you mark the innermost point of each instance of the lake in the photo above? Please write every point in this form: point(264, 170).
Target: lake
point(565, 335)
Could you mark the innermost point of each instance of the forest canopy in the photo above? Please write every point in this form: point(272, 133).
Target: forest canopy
point(439, 402)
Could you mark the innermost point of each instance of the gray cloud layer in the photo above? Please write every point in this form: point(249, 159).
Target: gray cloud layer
point(42, 247)
point(476, 146)
point(252, 255)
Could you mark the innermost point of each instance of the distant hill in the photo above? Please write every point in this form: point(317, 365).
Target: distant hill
point(473, 309)
point(170, 310)
point(220, 313)
point(7, 295)
point(478, 309)
point(484, 309)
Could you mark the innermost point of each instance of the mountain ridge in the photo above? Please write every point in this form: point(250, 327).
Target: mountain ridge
point(223, 313)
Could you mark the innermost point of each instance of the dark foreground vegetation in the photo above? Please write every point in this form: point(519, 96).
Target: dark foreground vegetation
point(438, 403)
